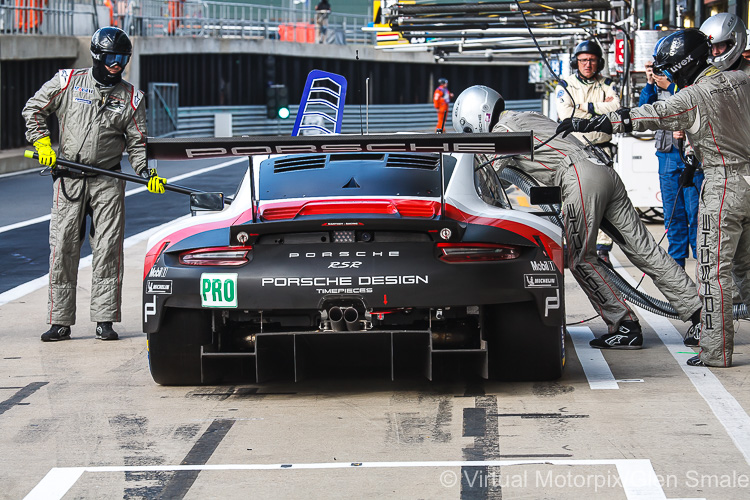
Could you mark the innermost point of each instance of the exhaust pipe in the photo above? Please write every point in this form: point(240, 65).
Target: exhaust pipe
point(336, 315)
point(351, 316)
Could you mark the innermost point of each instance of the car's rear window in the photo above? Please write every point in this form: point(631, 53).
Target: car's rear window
point(353, 174)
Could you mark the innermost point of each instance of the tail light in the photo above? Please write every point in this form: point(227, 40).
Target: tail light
point(219, 256)
point(476, 252)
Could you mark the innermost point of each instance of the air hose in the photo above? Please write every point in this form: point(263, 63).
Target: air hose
point(524, 182)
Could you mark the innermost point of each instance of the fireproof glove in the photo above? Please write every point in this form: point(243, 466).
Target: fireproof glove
point(598, 124)
point(47, 156)
point(686, 177)
point(155, 183)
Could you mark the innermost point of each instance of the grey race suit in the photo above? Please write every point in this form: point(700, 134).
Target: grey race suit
point(714, 114)
point(96, 125)
point(591, 192)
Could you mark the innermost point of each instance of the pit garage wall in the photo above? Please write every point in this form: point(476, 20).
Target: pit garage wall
point(241, 79)
point(215, 72)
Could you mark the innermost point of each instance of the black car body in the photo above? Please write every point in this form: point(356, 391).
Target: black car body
point(413, 262)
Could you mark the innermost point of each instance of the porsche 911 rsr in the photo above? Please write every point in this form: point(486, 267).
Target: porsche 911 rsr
point(412, 262)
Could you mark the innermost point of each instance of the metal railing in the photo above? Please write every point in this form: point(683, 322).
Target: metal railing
point(180, 18)
point(383, 118)
point(35, 17)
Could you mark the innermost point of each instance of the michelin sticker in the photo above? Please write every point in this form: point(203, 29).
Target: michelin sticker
point(539, 280)
point(219, 290)
point(159, 286)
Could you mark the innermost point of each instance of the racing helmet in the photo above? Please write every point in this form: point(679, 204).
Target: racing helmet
point(110, 46)
point(682, 55)
point(442, 81)
point(477, 109)
point(588, 47)
point(729, 29)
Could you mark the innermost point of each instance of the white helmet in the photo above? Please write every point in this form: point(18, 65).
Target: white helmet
point(476, 109)
point(730, 29)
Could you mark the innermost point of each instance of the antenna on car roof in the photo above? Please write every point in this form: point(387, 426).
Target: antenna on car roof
point(359, 91)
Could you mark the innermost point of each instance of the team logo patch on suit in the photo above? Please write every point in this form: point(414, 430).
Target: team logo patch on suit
point(82, 100)
point(78, 88)
point(115, 106)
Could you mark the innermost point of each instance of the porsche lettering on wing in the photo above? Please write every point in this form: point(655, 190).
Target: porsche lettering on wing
point(406, 147)
point(345, 281)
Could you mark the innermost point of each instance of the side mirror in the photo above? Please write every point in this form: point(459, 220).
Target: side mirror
point(203, 202)
point(545, 195)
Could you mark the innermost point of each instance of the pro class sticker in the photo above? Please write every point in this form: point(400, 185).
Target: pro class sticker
point(539, 281)
point(219, 290)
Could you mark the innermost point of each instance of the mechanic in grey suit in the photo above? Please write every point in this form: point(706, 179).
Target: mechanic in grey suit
point(100, 115)
point(592, 195)
point(712, 109)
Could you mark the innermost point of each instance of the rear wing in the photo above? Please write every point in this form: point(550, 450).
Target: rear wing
point(510, 143)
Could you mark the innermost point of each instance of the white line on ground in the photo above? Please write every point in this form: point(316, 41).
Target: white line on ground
point(130, 192)
point(594, 365)
point(637, 476)
point(727, 410)
point(42, 281)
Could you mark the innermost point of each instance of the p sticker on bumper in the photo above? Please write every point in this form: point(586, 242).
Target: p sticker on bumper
point(219, 290)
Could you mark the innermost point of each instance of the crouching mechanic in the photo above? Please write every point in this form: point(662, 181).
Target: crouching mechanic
point(712, 109)
point(592, 195)
point(100, 115)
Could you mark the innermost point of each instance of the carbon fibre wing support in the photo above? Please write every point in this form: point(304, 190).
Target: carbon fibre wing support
point(509, 143)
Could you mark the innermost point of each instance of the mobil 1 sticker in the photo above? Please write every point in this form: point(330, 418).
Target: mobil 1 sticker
point(219, 289)
point(540, 281)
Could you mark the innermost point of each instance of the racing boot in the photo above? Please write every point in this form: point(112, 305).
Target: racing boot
point(627, 336)
point(104, 331)
point(693, 336)
point(695, 361)
point(55, 333)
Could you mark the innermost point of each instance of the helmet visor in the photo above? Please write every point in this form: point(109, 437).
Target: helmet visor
point(115, 59)
point(661, 70)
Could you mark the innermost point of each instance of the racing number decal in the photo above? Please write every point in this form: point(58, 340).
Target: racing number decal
point(219, 290)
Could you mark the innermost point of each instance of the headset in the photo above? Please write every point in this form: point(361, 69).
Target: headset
point(588, 47)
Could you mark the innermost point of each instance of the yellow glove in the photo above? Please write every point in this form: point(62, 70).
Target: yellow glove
point(155, 183)
point(47, 156)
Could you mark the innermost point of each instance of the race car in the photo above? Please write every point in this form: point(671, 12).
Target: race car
point(399, 253)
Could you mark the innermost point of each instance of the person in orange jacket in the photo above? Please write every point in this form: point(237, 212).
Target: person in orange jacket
point(441, 98)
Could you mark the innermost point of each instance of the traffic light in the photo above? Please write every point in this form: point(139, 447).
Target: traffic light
point(277, 102)
point(282, 102)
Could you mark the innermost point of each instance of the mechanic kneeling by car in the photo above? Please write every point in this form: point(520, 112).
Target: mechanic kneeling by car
point(590, 189)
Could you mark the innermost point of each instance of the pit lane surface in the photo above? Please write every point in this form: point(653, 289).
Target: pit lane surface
point(83, 419)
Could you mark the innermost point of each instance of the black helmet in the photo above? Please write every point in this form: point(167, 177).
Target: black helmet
point(110, 46)
point(442, 81)
point(588, 47)
point(682, 55)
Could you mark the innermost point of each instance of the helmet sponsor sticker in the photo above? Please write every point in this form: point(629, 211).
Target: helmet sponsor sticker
point(218, 289)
